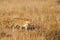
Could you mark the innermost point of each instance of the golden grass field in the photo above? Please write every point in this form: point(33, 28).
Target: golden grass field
point(44, 14)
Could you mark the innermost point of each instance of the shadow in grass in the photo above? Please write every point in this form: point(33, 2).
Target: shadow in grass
point(3, 34)
point(53, 35)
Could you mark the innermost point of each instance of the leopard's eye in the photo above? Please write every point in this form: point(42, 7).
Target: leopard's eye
point(23, 28)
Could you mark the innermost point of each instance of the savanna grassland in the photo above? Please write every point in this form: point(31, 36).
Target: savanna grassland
point(44, 14)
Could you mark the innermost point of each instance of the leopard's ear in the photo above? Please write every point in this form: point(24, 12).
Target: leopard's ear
point(17, 26)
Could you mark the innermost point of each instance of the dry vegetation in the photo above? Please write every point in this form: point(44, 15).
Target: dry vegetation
point(44, 14)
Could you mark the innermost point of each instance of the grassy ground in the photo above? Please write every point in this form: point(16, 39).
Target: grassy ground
point(45, 14)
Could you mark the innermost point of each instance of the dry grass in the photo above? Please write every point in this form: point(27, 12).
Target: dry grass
point(44, 14)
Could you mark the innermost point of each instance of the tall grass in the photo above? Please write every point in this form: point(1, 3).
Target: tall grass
point(44, 14)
